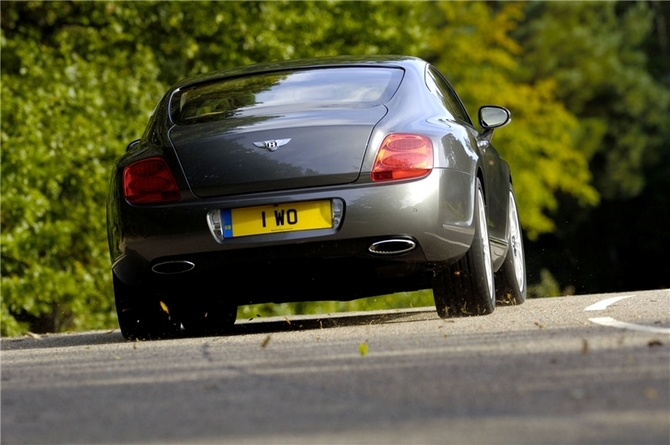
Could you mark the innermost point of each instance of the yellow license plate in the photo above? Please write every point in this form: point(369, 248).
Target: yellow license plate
point(277, 218)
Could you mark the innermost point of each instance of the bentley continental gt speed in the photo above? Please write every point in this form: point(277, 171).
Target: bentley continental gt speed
point(321, 179)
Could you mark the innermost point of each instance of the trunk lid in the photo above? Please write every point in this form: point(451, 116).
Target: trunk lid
point(265, 151)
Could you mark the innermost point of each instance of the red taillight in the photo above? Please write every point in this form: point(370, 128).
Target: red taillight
point(403, 156)
point(149, 181)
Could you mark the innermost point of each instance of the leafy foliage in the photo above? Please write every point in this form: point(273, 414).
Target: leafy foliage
point(66, 111)
point(616, 79)
point(475, 48)
point(399, 300)
point(604, 80)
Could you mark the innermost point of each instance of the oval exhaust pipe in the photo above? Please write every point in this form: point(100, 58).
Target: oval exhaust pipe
point(392, 246)
point(173, 267)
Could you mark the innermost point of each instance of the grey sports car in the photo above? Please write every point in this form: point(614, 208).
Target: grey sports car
point(322, 179)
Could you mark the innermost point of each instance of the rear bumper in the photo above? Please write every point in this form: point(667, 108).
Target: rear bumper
point(434, 212)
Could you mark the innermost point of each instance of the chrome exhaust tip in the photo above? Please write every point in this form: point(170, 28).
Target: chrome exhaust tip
point(173, 267)
point(393, 246)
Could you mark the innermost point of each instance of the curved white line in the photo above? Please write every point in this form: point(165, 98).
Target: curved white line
point(601, 305)
point(608, 321)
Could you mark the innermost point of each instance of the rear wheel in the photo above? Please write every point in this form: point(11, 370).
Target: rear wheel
point(511, 278)
point(467, 287)
point(212, 318)
point(143, 316)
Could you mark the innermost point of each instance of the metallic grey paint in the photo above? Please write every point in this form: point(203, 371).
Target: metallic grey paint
point(219, 167)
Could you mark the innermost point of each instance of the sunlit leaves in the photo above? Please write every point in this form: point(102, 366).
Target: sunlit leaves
point(475, 48)
point(603, 79)
point(69, 106)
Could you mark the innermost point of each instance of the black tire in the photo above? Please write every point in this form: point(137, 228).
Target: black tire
point(142, 315)
point(467, 287)
point(213, 318)
point(511, 278)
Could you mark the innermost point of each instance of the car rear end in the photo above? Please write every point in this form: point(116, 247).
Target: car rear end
point(294, 177)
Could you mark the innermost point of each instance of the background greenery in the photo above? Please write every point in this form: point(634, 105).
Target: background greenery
point(588, 85)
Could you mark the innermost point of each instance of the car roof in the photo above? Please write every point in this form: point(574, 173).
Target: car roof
point(321, 62)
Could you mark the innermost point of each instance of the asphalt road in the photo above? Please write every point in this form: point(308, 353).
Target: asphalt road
point(583, 369)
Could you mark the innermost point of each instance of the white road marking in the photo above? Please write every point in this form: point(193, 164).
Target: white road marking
point(609, 321)
point(601, 305)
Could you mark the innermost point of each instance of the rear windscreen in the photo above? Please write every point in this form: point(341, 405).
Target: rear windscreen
point(277, 92)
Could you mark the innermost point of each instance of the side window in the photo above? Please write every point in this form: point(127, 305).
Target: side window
point(443, 91)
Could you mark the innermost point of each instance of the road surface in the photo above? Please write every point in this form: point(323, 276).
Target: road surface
point(581, 369)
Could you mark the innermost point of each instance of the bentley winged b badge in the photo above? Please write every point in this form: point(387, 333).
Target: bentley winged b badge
point(272, 145)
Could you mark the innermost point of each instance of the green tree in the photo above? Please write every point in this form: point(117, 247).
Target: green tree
point(69, 101)
point(604, 80)
point(609, 61)
point(189, 38)
point(474, 46)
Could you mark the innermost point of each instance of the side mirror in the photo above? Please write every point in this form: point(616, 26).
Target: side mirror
point(491, 117)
